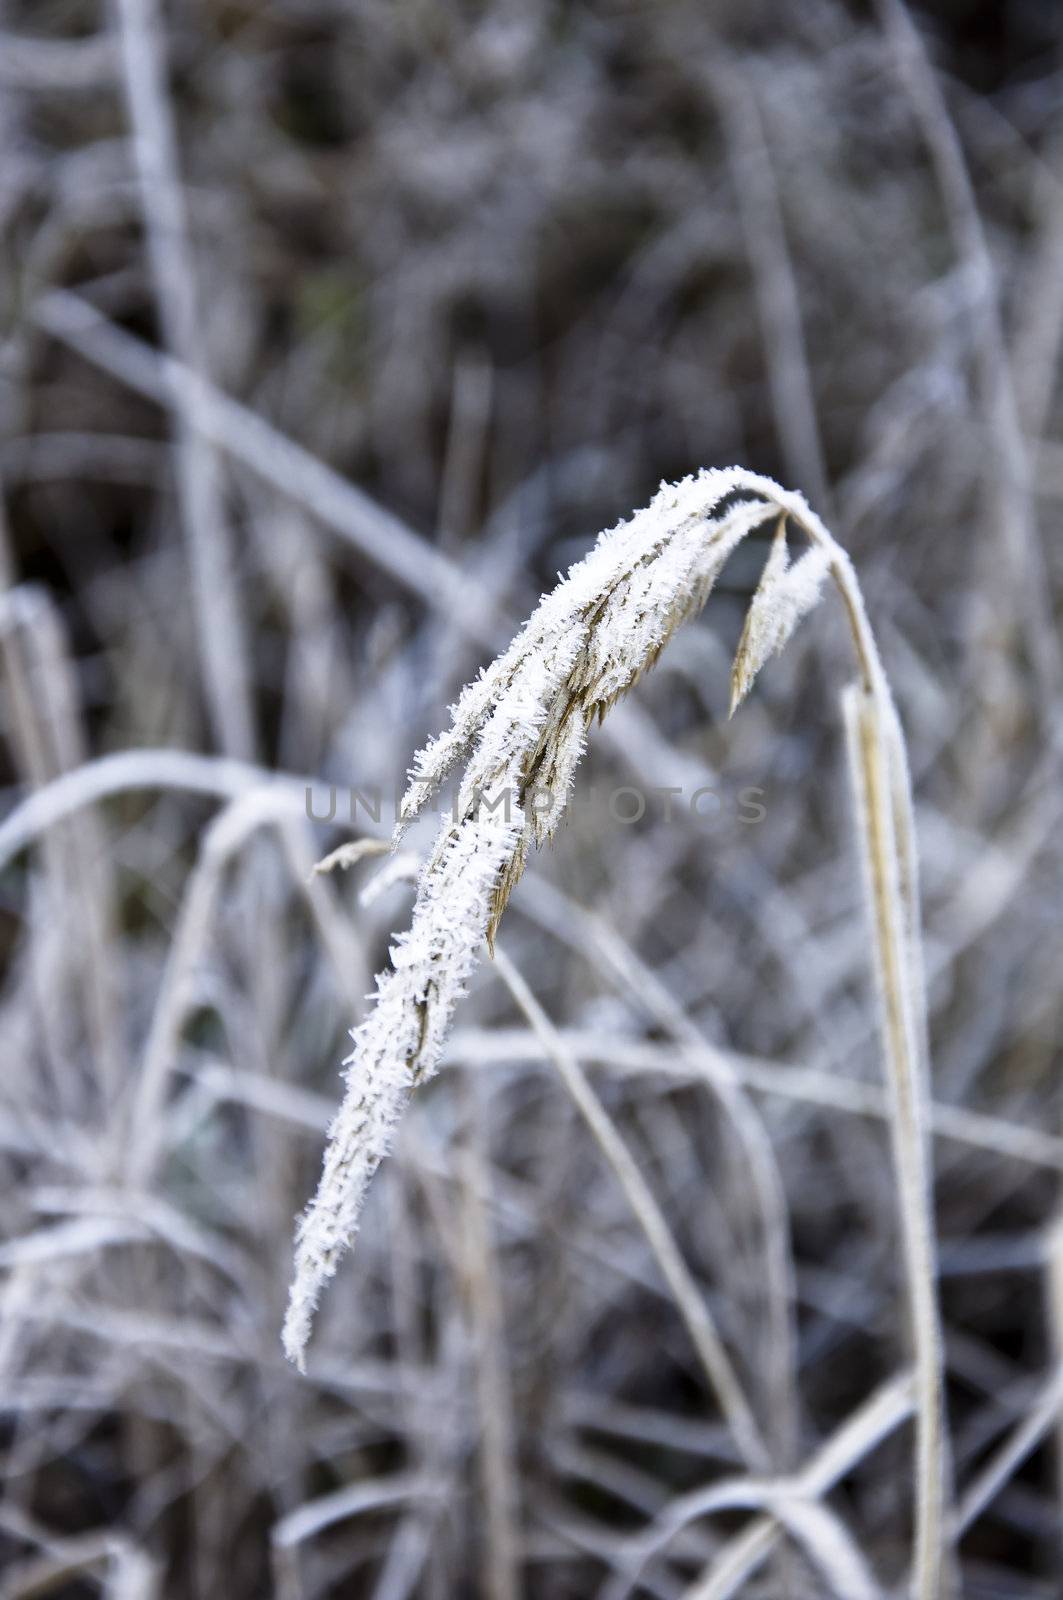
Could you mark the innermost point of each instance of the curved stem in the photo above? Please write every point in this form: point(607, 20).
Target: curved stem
point(869, 752)
point(879, 768)
point(690, 1301)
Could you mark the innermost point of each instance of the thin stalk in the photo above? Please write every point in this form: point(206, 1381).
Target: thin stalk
point(880, 774)
point(688, 1297)
point(871, 771)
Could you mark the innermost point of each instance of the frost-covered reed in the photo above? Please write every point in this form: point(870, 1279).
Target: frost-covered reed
point(519, 730)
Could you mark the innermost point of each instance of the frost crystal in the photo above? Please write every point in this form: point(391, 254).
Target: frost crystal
point(520, 729)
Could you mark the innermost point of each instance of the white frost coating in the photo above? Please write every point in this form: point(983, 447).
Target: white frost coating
point(617, 552)
point(398, 1046)
point(784, 595)
point(520, 729)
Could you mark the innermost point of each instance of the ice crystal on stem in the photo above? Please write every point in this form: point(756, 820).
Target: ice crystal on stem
point(520, 730)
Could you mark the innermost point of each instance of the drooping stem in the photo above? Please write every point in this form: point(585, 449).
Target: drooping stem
point(879, 767)
point(522, 723)
point(872, 732)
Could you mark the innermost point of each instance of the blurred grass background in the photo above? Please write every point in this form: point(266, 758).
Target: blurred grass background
point(503, 267)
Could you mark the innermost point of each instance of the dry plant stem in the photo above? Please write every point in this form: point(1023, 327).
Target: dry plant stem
point(869, 755)
point(219, 622)
point(106, 1559)
point(1009, 1457)
point(1009, 479)
point(810, 1086)
point(128, 770)
point(45, 736)
point(806, 1086)
point(279, 461)
point(688, 1297)
point(520, 728)
point(226, 835)
point(467, 431)
point(880, 773)
point(858, 1436)
point(430, 1449)
point(778, 303)
point(352, 1500)
point(823, 1536)
point(622, 968)
point(498, 1475)
point(879, 765)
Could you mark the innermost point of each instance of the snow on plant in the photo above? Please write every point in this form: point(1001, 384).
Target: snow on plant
point(520, 730)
